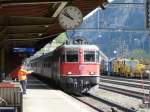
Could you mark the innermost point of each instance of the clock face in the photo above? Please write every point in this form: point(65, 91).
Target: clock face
point(70, 17)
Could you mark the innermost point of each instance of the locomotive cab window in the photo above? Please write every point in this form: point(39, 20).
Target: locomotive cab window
point(89, 56)
point(71, 56)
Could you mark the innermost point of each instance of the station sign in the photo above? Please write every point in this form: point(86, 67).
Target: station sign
point(25, 50)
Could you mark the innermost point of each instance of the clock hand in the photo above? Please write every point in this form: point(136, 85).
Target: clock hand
point(67, 15)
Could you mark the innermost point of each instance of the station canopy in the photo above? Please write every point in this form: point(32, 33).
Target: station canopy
point(33, 23)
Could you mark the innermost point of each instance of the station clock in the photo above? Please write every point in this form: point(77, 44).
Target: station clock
point(70, 17)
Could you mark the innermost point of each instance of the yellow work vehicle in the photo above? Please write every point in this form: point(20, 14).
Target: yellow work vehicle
point(128, 67)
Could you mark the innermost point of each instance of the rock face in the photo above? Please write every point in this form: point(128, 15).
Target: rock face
point(119, 28)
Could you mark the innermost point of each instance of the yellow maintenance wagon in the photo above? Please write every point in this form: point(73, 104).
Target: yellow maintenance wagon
point(128, 67)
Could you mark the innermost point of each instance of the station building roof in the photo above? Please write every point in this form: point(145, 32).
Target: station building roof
point(33, 23)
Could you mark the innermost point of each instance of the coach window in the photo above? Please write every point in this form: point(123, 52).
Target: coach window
point(72, 56)
point(89, 56)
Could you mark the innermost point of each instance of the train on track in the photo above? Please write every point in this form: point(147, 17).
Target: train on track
point(73, 67)
point(127, 67)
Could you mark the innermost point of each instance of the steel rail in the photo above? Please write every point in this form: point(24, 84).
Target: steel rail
point(125, 83)
point(126, 79)
point(134, 94)
point(90, 105)
point(114, 106)
point(112, 103)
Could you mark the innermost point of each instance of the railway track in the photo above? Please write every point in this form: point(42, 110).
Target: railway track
point(102, 104)
point(131, 93)
point(129, 83)
point(112, 103)
point(128, 87)
point(145, 81)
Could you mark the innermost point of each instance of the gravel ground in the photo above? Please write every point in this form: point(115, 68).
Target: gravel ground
point(119, 98)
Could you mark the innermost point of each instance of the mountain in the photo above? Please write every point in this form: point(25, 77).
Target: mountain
point(117, 30)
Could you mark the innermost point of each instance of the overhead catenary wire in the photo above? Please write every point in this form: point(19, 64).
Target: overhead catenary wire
point(127, 3)
point(109, 29)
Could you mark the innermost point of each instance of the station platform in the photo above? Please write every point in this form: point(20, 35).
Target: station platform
point(42, 98)
point(50, 100)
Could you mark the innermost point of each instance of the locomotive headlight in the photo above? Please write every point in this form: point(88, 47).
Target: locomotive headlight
point(92, 73)
point(69, 73)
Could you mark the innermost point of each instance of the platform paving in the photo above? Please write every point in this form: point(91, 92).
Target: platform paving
point(50, 100)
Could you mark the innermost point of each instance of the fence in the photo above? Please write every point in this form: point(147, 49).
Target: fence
point(10, 97)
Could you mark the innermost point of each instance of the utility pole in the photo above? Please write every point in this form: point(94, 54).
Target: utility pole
point(149, 90)
point(147, 17)
point(147, 14)
point(149, 45)
point(148, 72)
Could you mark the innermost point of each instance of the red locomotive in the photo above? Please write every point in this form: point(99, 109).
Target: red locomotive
point(74, 68)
